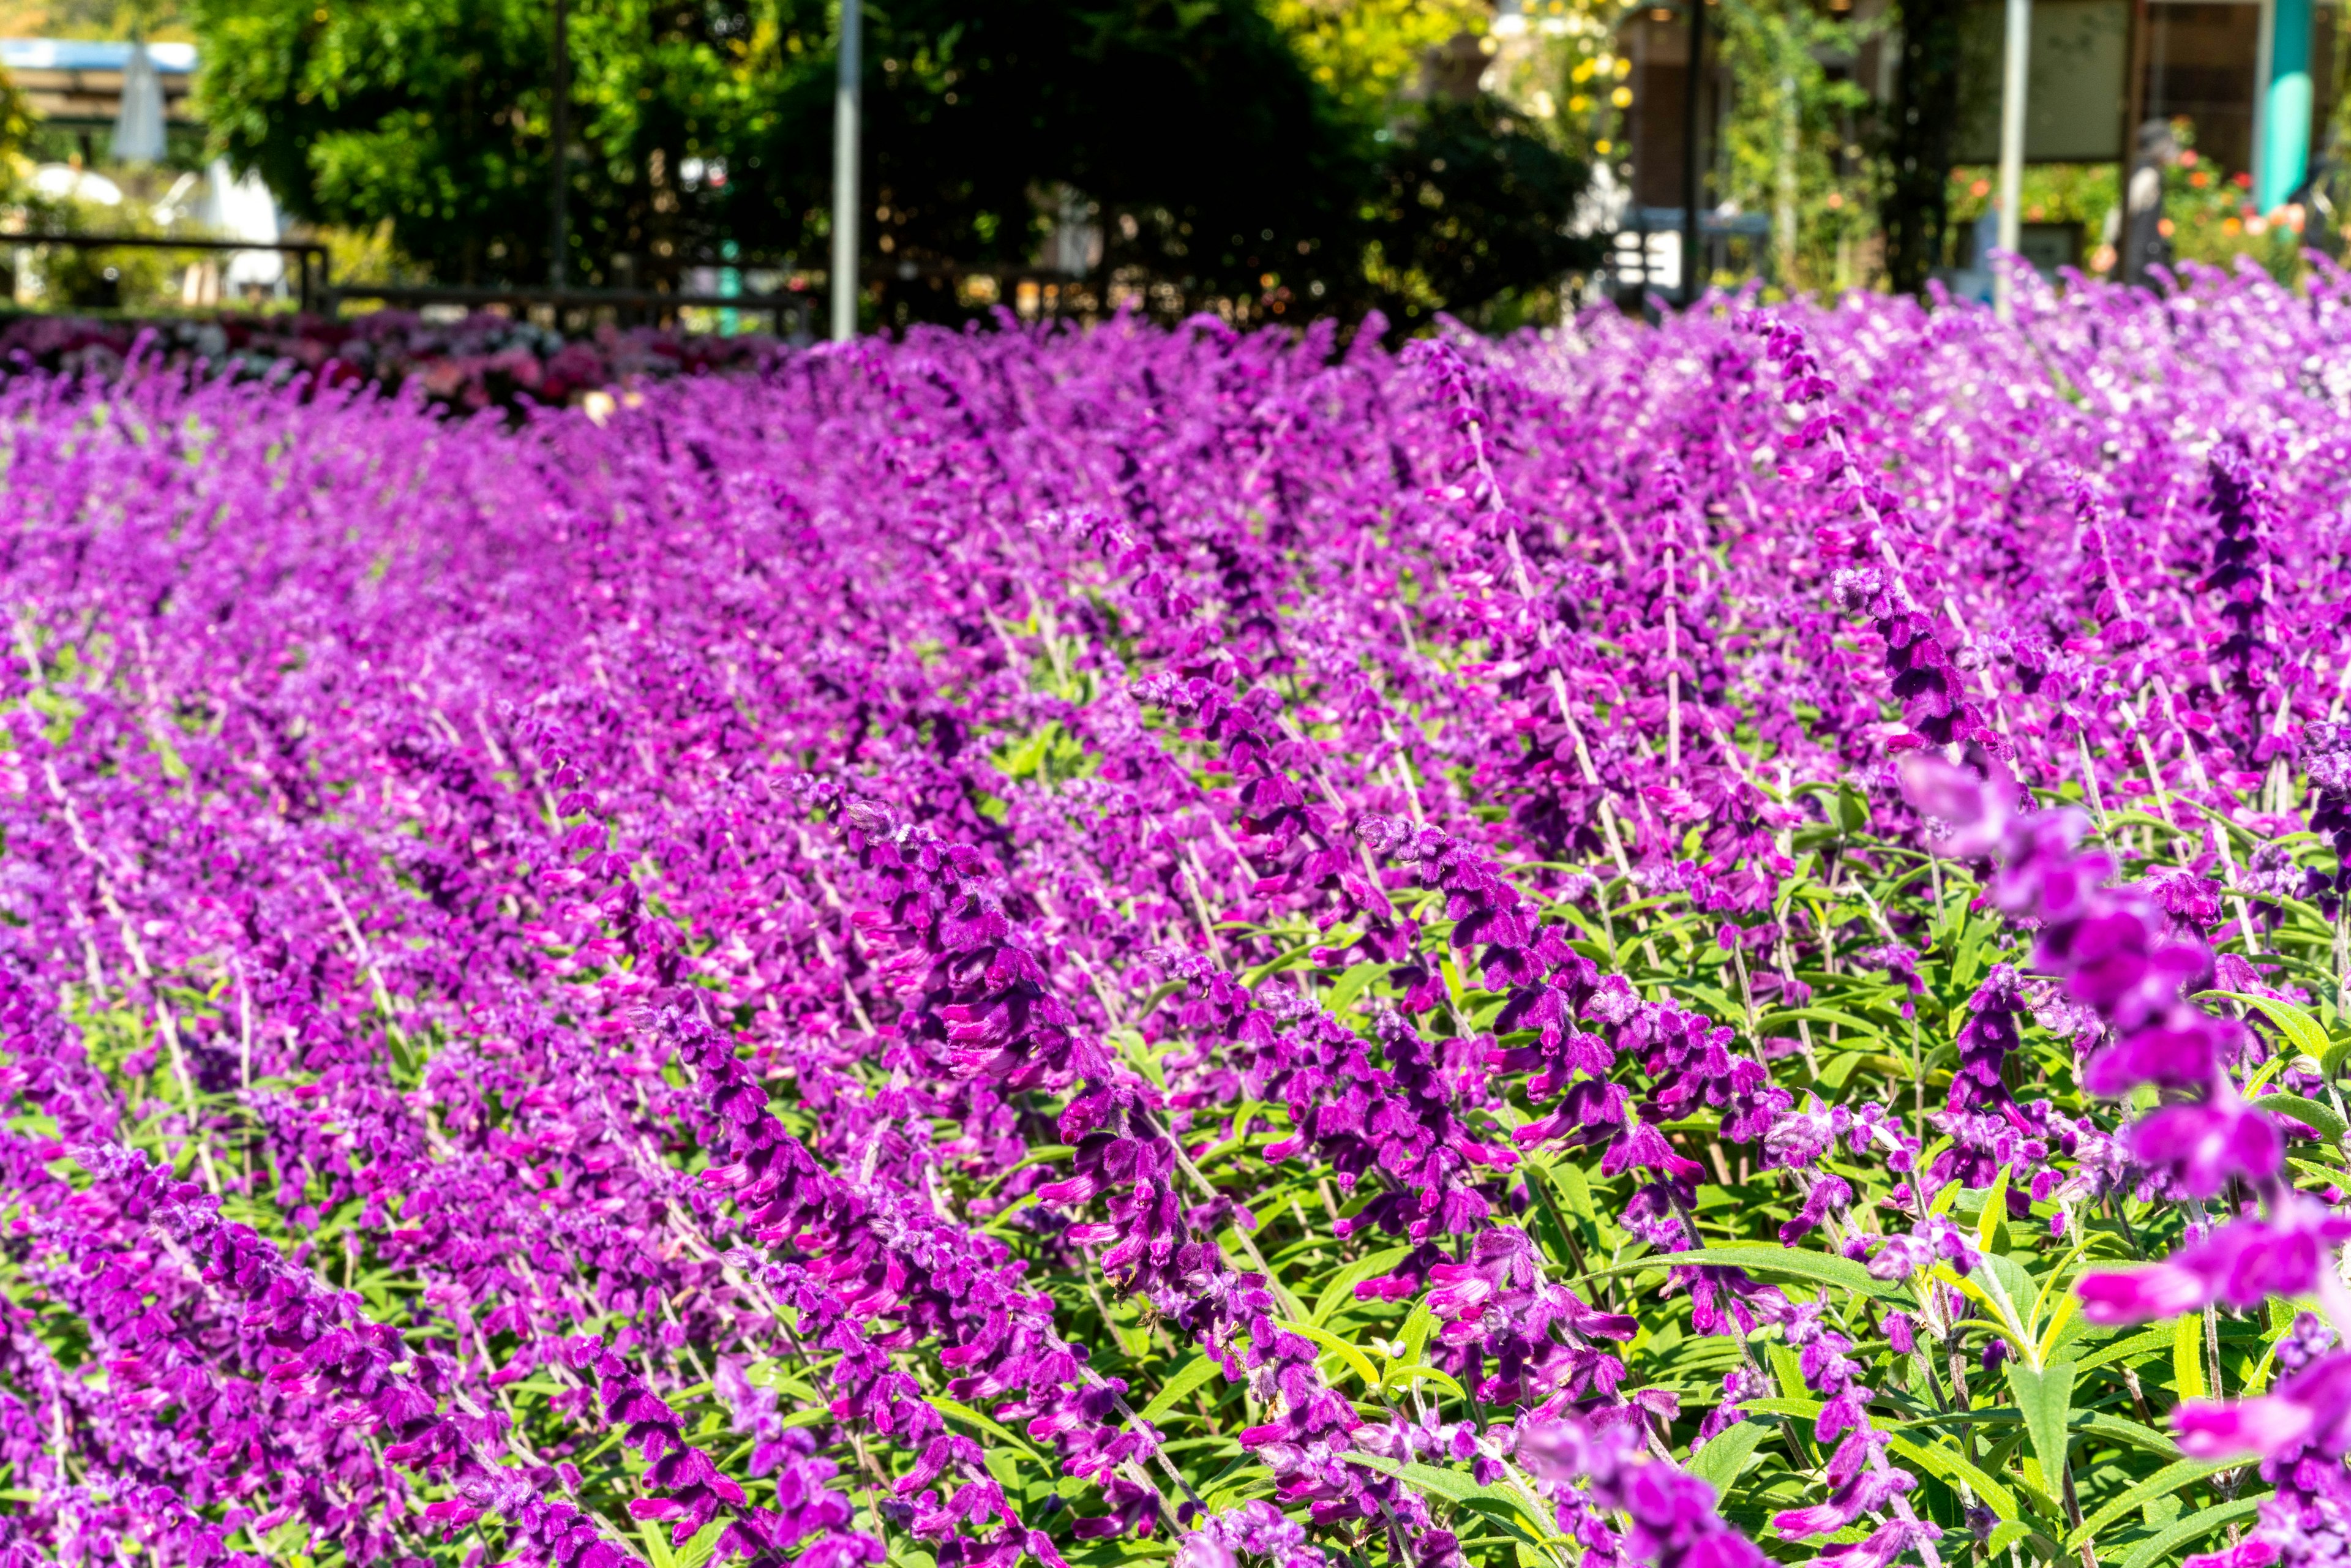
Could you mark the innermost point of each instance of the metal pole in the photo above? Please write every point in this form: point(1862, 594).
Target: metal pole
point(1693, 166)
point(2011, 140)
point(559, 221)
point(845, 199)
point(2282, 104)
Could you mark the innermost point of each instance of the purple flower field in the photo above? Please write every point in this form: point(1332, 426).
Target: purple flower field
point(1670, 947)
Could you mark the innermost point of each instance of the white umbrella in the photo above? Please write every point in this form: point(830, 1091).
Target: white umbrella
point(138, 124)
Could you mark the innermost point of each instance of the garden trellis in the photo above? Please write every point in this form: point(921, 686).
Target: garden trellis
point(1661, 946)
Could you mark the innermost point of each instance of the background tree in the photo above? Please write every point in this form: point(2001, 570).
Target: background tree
point(1472, 214)
point(1368, 53)
point(1211, 151)
point(1186, 130)
point(1789, 146)
point(434, 114)
point(1915, 205)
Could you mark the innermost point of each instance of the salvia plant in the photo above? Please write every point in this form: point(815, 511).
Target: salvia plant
point(1652, 950)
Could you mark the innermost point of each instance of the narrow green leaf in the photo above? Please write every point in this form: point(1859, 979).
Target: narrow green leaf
point(1763, 1258)
point(2309, 1113)
point(1341, 1287)
point(1357, 1362)
point(1189, 1376)
point(2170, 1479)
point(2045, 1400)
point(2201, 1522)
point(1950, 1466)
point(1726, 1455)
point(1995, 1211)
point(956, 1410)
point(1353, 984)
point(2304, 1032)
point(2188, 1356)
point(1417, 1327)
point(1420, 1371)
point(2138, 1347)
point(2005, 1535)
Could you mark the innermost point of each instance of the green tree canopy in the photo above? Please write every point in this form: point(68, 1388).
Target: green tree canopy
point(1196, 131)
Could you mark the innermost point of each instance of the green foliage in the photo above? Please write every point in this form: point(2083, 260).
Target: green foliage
point(432, 113)
point(1365, 52)
point(1789, 145)
point(1193, 121)
point(1196, 135)
point(1473, 205)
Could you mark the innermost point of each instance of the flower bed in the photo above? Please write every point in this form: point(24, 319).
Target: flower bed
point(1666, 948)
point(482, 360)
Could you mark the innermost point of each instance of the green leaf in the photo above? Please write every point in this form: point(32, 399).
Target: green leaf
point(1851, 810)
point(2138, 1347)
point(1189, 1376)
point(1357, 1362)
point(1341, 1287)
point(2170, 1479)
point(2122, 1429)
point(957, 1411)
point(2004, 1536)
point(2304, 1033)
point(1995, 1212)
point(1726, 1455)
point(1420, 1371)
point(2198, 1523)
point(1764, 1258)
point(1504, 1511)
point(1416, 1330)
point(1250, 978)
point(2045, 1400)
point(696, 1552)
point(1353, 984)
point(1952, 1467)
point(1451, 1485)
point(2310, 1112)
point(2188, 1357)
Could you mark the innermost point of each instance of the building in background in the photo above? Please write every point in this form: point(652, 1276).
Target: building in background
point(2251, 83)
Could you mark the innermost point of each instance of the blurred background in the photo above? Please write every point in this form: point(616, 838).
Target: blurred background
point(1503, 160)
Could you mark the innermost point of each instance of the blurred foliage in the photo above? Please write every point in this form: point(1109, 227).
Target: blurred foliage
point(2210, 209)
point(81, 279)
point(1915, 141)
point(372, 254)
point(2083, 194)
point(1209, 145)
point(1364, 53)
point(1469, 213)
point(155, 20)
point(698, 121)
point(1210, 157)
point(1790, 147)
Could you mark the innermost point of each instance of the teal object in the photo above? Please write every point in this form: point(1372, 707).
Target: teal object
point(730, 284)
point(2286, 106)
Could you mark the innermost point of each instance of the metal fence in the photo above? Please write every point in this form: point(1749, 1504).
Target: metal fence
point(315, 289)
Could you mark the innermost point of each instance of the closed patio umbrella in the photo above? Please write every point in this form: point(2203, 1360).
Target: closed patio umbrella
point(139, 123)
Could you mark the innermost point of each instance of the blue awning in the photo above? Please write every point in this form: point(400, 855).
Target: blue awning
point(90, 55)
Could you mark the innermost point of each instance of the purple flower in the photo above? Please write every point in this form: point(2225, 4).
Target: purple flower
point(2239, 1265)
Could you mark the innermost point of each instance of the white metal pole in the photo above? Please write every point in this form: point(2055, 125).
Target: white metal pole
point(845, 197)
point(2017, 61)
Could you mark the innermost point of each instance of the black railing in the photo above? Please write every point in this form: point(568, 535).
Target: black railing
point(648, 301)
point(308, 291)
point(315, 289)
